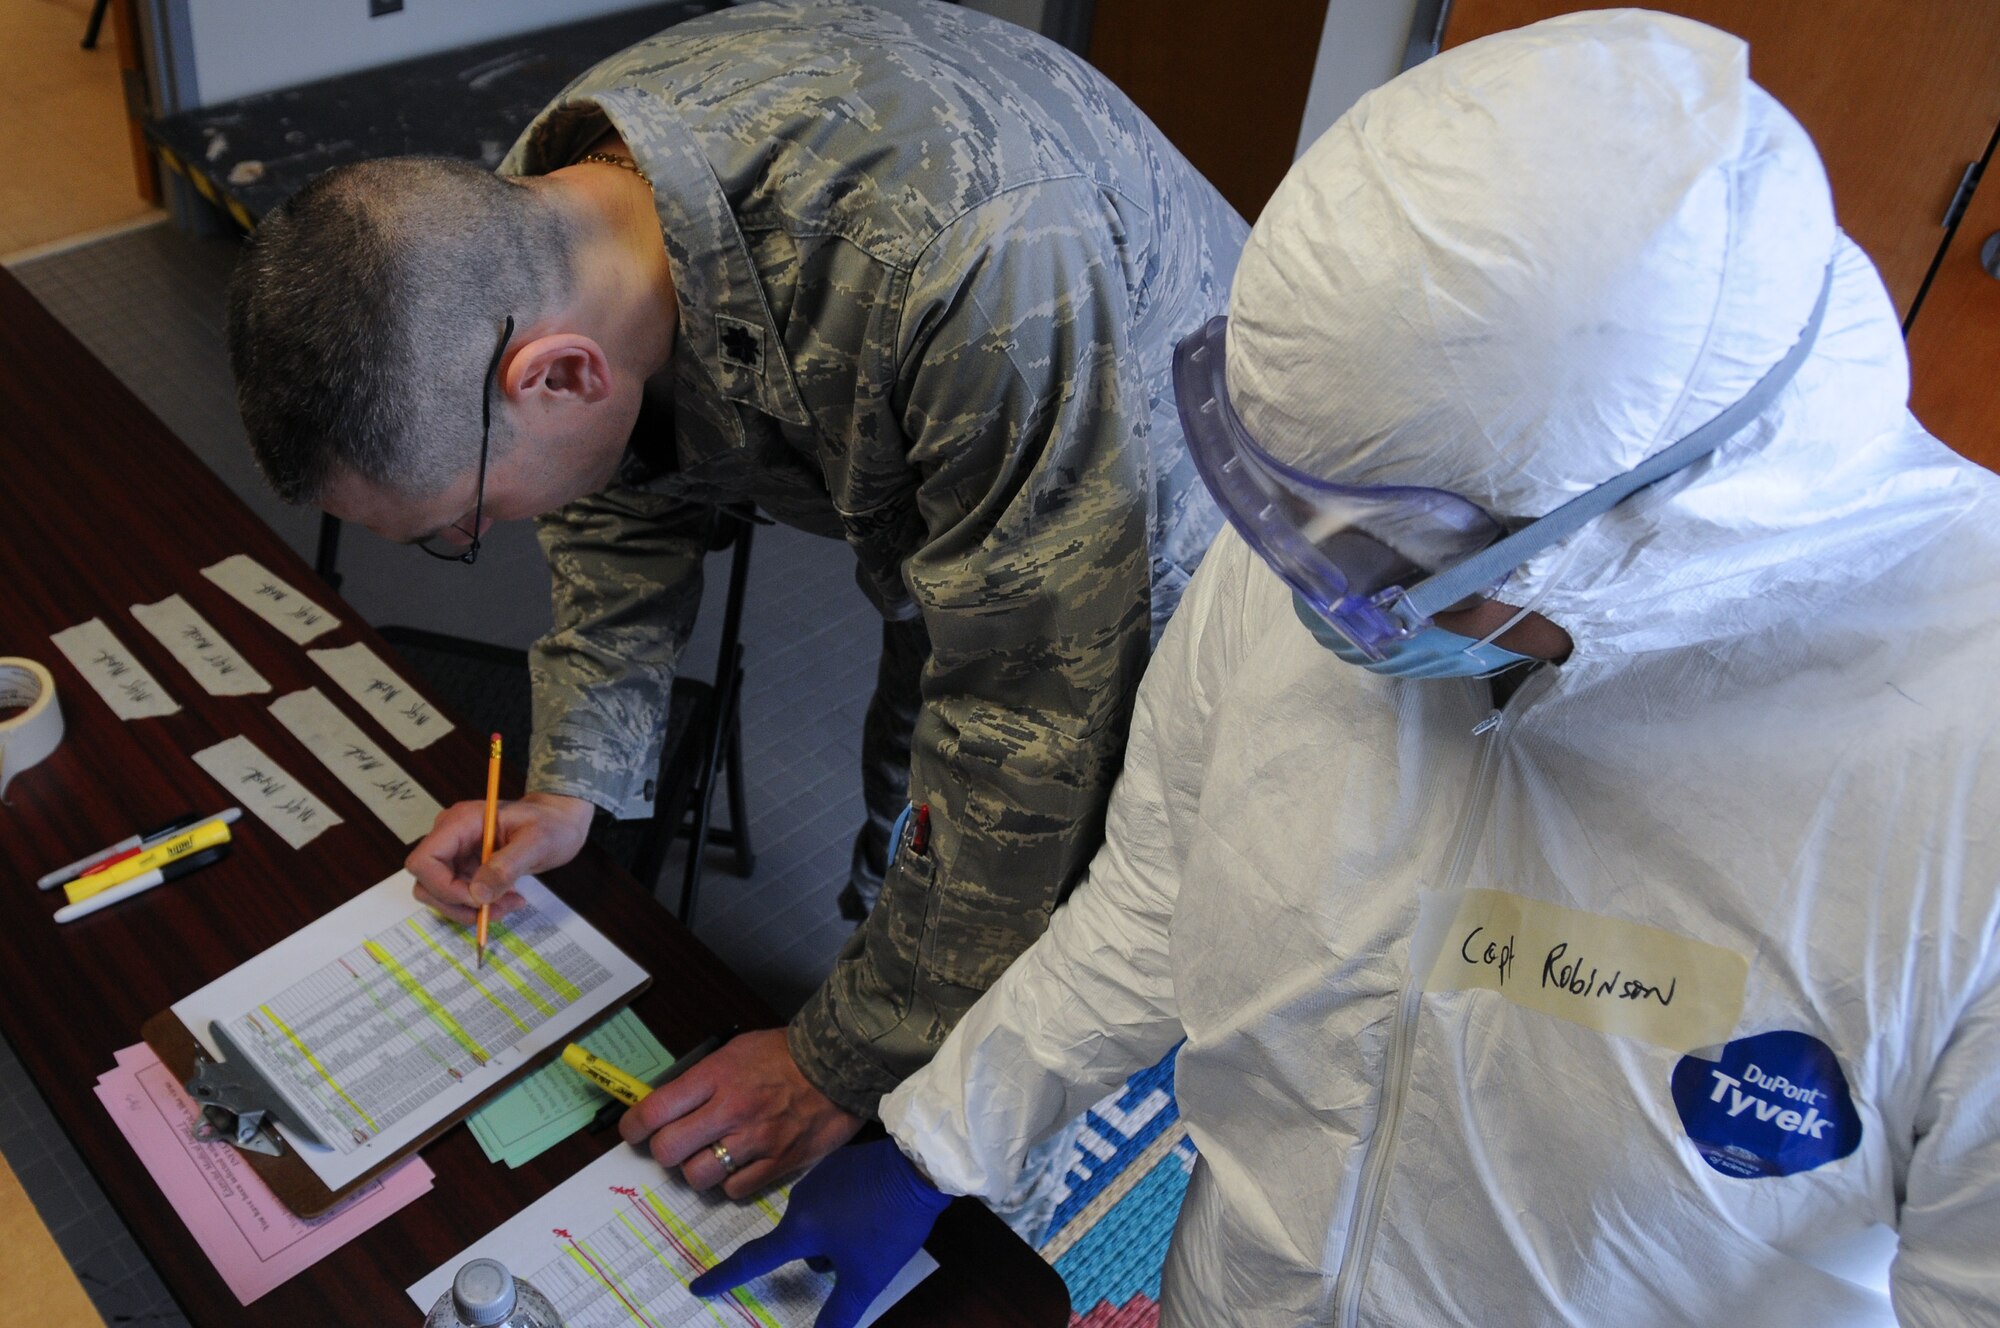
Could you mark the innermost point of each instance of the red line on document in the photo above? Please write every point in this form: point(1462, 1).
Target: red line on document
point(632, 1196)
point(609, 1285)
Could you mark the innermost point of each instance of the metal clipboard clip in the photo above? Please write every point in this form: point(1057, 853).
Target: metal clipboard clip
point(238, 1103)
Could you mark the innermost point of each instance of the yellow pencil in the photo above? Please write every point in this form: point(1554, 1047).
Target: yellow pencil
point(486, 842)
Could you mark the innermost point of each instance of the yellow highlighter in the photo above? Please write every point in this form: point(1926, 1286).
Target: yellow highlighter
point(204, 836)
point(628, 1089)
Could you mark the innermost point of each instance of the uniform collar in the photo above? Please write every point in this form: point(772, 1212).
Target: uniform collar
point(725, 329)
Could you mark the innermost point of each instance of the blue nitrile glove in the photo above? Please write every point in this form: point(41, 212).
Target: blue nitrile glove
point(864, 1211)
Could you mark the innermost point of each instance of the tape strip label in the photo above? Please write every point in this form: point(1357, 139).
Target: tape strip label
point(278, 603)
point(269, 791)
point(1601, 972)
point(357, 761)
point(113, 672)
point(383, 693)
point(201, 650)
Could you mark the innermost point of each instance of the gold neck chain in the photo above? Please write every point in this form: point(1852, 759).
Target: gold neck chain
point(625, 163)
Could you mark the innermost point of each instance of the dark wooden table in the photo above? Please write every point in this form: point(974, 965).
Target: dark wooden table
point(101, 508)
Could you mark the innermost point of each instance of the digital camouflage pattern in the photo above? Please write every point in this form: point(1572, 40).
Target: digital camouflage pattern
point(931, 270)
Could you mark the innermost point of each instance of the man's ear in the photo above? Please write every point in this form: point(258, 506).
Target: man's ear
point(557, 368)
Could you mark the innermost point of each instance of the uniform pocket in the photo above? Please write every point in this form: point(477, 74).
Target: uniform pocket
point(892, 943)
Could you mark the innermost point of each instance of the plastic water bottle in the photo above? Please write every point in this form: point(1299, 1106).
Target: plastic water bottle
point(485, 1295)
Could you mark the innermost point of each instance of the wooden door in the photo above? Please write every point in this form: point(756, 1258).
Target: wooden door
point(131, 71)
point(1900, 98)
point(1956, 338)
point(1226, 83)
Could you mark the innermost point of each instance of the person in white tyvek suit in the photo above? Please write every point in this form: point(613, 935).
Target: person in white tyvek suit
point(1653, 984)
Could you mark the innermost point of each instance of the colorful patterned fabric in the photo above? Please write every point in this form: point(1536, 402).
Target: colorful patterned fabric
point(1109, 1235)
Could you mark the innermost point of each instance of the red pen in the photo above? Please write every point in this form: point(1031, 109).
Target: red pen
point(112, 861)
point(920, 836)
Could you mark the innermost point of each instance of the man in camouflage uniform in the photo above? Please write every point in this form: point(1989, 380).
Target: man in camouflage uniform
point(929, 272)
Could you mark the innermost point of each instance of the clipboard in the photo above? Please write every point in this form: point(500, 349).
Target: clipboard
point(291, 1177)
point(287, 1173)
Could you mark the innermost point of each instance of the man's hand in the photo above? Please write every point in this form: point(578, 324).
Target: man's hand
point(750, 1098)
point(863, 1212)
point(541, 831)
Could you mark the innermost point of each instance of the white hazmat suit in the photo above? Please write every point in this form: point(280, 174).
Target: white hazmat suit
point(1456, 984)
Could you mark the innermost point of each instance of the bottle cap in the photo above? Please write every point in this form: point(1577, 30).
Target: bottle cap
point(483, 1293)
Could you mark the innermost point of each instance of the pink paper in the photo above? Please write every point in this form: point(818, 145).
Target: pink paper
point(252, 1239)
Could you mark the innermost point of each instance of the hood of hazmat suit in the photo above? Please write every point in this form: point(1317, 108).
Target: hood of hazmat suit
point(1668, 991)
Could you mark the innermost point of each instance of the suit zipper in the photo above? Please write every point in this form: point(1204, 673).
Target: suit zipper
point(1366, 1215)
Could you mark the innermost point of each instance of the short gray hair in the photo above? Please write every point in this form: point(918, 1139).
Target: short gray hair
point(364, 312)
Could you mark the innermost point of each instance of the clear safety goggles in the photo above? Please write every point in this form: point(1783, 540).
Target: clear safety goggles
point(1348, 550)
point(1377, 562)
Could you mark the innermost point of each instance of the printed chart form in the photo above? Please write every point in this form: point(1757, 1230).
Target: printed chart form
point(323, 1034)
point(616, 1245)
point(376, 1025)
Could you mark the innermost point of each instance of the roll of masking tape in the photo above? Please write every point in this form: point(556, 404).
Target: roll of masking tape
point(35, 726)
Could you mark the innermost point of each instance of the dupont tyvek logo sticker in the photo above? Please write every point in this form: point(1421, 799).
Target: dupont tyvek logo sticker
point(1772, 1105)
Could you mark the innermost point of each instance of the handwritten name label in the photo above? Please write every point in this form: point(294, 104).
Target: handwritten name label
point(1602, 972)
point(192, 640)
point(357, 761)
point(381, 691)
point(113, 672)
point(271, 794)
point(255, 587)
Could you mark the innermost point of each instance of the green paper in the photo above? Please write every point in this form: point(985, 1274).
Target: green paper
point(555, 1101)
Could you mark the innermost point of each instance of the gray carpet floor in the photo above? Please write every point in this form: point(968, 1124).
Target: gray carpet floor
point(149, 304)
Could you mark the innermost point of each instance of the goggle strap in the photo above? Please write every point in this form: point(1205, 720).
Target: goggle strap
point(1490, 564)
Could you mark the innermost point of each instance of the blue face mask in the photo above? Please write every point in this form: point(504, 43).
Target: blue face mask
point(1430, 653)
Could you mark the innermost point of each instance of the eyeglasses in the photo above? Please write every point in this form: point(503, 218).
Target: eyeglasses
point(470, 553)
